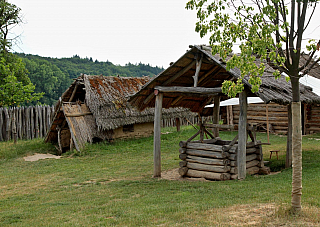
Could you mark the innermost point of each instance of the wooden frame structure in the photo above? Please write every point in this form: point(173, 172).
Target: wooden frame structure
point(195, 81)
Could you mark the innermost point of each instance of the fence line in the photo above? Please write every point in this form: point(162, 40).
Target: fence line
point(31, 122)
point(171, 122)
point(34, 121)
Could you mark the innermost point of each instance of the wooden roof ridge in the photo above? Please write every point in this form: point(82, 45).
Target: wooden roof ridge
point(212, 73)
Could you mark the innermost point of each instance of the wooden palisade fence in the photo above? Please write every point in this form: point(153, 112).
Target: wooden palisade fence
point(31, 122)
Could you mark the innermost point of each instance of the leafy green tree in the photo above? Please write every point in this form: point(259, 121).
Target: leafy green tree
point(15, 86)
point(47, 77)
point(269, 31)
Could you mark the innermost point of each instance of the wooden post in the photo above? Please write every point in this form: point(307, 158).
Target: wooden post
point(215, 116)
point(157, 135)
point(289, 139)
point(242, 132)
point(268, 129)
point(178, 124)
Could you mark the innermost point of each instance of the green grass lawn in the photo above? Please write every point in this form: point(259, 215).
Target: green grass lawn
point(112, 185)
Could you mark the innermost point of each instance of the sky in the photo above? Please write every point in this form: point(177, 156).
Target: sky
point(149, 31)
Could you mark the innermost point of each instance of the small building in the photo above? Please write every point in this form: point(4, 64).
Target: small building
point(95, 108)
point(193, 82)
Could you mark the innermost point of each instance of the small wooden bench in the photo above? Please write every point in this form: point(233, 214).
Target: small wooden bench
point(274, 151)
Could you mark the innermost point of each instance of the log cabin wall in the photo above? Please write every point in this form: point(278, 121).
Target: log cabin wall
point(312, 118)
point(277, 116)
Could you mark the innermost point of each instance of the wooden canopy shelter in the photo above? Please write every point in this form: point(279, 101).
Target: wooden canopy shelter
point(194, 81)
point(96, 108)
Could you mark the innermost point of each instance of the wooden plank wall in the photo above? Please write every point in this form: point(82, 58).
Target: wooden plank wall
point(277, 116)
point(32, 122)
point(312, 116)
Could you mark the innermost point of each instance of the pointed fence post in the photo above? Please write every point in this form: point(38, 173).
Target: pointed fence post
point(157, 135)
point(242, 132)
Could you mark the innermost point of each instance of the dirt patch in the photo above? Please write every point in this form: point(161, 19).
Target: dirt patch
point(173, 174)
point(37, 157)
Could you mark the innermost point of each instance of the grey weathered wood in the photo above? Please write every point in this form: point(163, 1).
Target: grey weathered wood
point(253, 170)
point(210, 168)
point(251, 157)
point(228, 147)
point(157, 136)
point(206, 153)
point(208, 161)
point(36, 121)
point(242, 131)
point(208, 175)
point(183, 156)
point(44, 116)
point(183, 163)
point(40, 122)
point(252, 163)
point(32, 122)
point(204, 146)
point(183, 171)
point(251, 150)
point(182, 150)
point(198, 67)
point(232, 127)
point(215, 116)
point(189, 90)
point(234, 170)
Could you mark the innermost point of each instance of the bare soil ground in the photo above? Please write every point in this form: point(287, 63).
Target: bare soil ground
point(36, 157)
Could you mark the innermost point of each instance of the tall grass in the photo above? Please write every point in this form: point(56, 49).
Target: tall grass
point(112, 185)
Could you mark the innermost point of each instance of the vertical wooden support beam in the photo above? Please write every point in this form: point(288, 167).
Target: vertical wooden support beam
point(198, 67)
point(268, 127)
point(157, 135)
point(242, 132)
point(289, 139)
point(178, 124)
point(215, 116)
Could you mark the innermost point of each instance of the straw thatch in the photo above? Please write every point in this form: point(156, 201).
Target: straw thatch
point(93, 106)
point(212, 74)
point(107, 99)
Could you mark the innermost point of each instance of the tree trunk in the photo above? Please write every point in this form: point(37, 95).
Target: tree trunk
point(296, 145)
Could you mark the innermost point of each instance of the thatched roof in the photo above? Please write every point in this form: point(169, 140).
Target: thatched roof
point(212, 74)
point(106, 97)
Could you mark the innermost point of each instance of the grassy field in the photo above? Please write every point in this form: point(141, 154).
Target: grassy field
point(112, 185)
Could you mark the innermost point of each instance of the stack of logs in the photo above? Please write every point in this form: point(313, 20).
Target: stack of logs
point(215, 159)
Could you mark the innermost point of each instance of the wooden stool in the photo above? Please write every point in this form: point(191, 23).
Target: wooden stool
point(276, 151)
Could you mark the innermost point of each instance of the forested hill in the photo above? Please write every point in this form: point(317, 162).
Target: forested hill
point(54, 75)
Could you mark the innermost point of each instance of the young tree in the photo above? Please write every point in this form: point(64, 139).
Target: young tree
point(268, 31)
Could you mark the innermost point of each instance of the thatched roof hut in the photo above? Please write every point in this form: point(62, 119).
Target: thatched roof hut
point(212, 74)
point(94, 107)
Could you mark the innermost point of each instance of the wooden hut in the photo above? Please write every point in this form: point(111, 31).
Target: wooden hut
point(95, 108)
point(194, 81)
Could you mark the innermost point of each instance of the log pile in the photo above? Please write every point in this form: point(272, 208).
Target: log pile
point(217, 159)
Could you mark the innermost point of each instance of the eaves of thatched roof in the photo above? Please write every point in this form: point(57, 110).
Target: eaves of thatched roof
point(212, 74)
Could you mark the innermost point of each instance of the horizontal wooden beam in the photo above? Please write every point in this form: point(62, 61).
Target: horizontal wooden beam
point(78, 114)
point(190, 90)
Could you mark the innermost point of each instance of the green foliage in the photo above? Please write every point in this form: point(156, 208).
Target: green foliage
point(12, 91)
point(53, 76)
point(47, 77)
point(262, 30)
